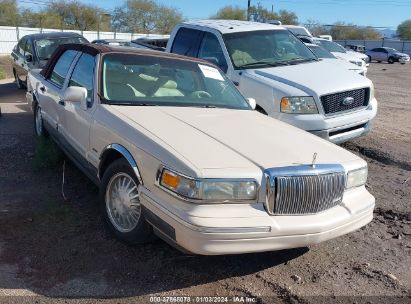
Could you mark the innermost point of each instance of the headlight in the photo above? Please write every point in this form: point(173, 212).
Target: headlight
point(298, 105)
point(207, 189)
point(357, 177)
point(359, 63)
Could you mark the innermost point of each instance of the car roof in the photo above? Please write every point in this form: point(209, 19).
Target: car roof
point(232, 26)
point(52, 35)
point(95, 49)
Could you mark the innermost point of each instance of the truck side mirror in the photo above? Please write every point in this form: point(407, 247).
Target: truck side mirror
point(76, 95)
point(252, 103)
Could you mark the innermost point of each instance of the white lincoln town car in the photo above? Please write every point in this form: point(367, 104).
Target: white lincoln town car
point(178, 152)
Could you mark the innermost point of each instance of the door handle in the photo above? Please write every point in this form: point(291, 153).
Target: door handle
point(62, 102)
point(43, 89)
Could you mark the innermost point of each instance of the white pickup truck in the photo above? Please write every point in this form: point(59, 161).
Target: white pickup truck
point(268, 63)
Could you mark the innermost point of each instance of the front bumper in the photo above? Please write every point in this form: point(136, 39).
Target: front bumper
point(235, 235)
point(338, 128)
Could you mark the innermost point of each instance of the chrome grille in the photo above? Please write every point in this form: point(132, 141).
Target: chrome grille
point(308, 191)
point(334, 103)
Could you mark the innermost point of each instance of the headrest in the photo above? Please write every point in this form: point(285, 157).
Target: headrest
point(170, 84)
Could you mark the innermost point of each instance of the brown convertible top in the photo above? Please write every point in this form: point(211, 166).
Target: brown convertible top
point(94, 49)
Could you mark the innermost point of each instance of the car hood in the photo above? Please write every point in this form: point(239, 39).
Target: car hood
point(400, 54)
point(314, 78)
point(346, 56)
point(225, 138)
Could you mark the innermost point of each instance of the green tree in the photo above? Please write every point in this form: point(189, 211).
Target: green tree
point(8, 13)
point(341, 31)
point(145, 16)
point(404, 30)
point(231, 13)
point(287, 17)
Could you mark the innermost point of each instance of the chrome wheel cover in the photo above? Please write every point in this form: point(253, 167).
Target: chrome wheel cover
point(123, 202)
point(39, 122)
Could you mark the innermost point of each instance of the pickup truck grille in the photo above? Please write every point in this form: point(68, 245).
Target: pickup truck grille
point(334, 103)
point(304, 194)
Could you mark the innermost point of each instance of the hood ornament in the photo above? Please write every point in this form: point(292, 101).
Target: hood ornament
point(314, 159)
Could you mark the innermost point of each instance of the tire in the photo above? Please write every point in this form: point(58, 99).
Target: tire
point(120, 205)
point(19, 83)
point(379, 61)
point(369, 58)
point(39, 129)
point(390, 60)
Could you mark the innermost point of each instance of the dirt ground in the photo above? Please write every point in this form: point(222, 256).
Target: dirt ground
point(52, 250)
point(5, 66)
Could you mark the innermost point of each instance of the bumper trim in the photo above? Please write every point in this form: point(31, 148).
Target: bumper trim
point(204, 229)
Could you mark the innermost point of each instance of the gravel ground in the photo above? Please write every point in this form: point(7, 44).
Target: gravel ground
point(56, 250)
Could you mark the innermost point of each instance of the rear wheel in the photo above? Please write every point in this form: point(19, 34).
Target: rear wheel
point(120, 204)
point(39, 129)
point(369, 59)
point(19, 83)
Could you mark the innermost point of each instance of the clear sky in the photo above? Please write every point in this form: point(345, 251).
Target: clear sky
point(380, 13)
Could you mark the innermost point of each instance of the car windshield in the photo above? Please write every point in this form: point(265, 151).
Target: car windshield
point(331, 46)
point(46, 47)
point(132, 79)
point(261, 49)
point(320, 52)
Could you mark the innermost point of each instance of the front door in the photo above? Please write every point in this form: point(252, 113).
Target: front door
point(77, 121)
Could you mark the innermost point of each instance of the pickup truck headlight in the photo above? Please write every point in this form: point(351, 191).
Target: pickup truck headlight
point(359, 63)
point(356, 178)
point(207, 189)
point(299, 105)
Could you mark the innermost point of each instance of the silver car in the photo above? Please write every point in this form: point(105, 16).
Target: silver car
point(387, 54)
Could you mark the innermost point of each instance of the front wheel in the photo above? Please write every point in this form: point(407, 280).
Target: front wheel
point(390, 60)
point(120, 204)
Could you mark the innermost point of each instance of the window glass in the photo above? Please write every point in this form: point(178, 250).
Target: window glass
point(28, 49)
point(62, 66)
point(46, 47)
point(83, 75)
point(210, 49)
point(186, 42)
point(21, 46)
point(261, 49)
point(143, 81)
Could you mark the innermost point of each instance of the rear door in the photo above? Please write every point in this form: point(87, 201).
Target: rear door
point(75, 125)
point(50, 92)
point(18, 58)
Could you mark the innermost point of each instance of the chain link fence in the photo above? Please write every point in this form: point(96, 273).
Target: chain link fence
point(9, 35)
point(403, 46)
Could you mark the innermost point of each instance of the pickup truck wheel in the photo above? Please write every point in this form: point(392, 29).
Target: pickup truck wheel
point(19, 83)
point(38, 122)
point(121, 206)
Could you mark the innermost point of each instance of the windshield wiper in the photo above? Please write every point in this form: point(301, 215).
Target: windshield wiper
point(271, 64)
point(301, 60)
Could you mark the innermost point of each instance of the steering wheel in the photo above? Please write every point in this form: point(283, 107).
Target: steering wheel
point(200, 94)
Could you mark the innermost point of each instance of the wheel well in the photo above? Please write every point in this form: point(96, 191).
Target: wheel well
point(107, 158)
point(261, 110)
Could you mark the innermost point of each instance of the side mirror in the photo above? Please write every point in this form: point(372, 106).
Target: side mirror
point(29, 58)
point(252, 103)
point(215, 61)
point(76, 95)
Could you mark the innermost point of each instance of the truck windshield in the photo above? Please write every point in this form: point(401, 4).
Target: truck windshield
point(260, 49)
point(331, 46)
point(45, 47)
point(320, 52)
point(136, 80)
